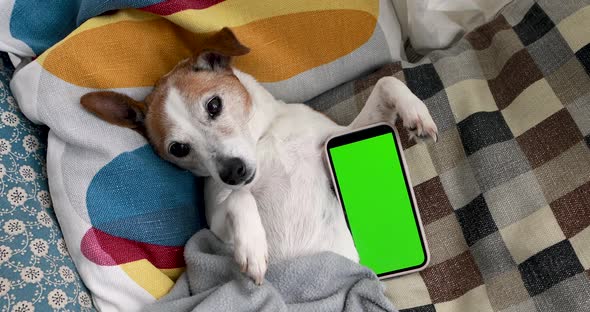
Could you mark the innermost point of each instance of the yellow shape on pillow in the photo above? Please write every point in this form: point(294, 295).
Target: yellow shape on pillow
point(173, 274)
point(156, 282)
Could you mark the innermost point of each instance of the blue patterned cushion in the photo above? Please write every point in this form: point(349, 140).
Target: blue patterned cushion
point(36, 271)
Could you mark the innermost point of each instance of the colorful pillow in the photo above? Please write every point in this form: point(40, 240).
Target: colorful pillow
point(36, 271)
point(124, 212)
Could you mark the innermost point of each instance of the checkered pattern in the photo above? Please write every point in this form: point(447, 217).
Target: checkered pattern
point(505, 193)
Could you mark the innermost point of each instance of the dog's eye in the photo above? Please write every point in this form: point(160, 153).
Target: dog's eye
point(179, 149)
point(214, 107)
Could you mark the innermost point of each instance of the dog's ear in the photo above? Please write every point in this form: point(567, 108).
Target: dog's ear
point(218, 51)
point(116, 108)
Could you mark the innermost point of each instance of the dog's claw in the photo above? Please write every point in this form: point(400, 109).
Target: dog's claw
point(418, 121)
point(433, 135)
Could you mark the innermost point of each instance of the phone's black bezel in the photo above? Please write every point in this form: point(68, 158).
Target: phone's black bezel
point(368, 133)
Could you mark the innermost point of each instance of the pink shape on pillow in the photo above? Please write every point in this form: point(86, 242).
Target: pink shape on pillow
point(172, 6)
point(108, 250)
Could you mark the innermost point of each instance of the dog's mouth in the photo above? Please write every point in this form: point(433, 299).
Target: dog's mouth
point(251, 178)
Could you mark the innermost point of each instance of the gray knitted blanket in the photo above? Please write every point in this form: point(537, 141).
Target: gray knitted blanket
point(322, 282)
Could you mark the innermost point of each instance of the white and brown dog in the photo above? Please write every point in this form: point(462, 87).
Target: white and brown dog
point(269, 190)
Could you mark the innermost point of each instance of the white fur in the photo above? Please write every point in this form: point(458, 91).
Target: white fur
point(289, 209)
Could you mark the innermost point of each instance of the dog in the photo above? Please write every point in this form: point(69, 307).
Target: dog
point(268, 190)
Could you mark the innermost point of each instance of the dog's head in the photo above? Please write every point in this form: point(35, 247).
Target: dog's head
point(197, 115)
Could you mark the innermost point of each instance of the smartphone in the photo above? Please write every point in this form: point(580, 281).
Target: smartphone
point(373, 186)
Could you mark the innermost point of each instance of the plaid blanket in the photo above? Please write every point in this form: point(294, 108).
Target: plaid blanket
point(505, 193)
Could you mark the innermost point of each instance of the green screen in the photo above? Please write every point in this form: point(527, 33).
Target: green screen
point(378, 207)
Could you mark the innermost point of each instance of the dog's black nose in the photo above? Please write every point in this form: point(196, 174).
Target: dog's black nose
point(233, 171)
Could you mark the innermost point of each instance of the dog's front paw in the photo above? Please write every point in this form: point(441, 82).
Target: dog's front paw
point(417, 119)
point(251, 254)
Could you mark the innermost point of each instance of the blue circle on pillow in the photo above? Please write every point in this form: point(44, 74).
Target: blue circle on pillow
point(141, 197)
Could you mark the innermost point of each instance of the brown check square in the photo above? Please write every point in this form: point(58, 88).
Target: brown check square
point(432, 200)
point(510, 83)
point(572, 210)
point(453, 278)
point(481, 38)
point(549, 138)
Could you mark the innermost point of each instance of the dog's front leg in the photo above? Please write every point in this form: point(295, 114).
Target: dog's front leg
point(248, 235)
point(391, 97)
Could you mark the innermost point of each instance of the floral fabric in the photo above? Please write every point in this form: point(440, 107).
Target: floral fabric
point(36, 271)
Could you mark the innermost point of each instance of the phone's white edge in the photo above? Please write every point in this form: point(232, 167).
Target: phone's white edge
point(407, 174)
